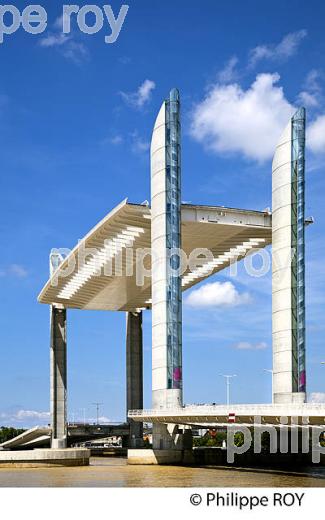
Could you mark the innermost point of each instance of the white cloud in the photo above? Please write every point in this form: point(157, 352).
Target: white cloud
point(278, 52)
point(312, 97)
point(117, 139)
point(313, 80)
point(24, 417)
point(53, 40)
point(216, 294)
point(132, 141)
point(312, 94)
point(66, 44)
point(307, 99)
point(16, 270)
point(69, 48)
point(228, 73)
point(245, 345)
point(230, 119)
point(31, 414)
point(142, 95)
point(103, 419)
point(58, 24)
point(138, 144)
point(316, 135)
point(75, 51)
point(317, 397)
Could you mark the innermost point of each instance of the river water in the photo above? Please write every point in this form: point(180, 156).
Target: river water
point(114, 472)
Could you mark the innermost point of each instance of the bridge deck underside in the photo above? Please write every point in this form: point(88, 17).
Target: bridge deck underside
point(102, 271)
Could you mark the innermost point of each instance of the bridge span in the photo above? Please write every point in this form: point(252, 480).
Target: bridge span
point(303, 414)
point(40, 437)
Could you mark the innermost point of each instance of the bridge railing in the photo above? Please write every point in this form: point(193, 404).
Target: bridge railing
point(240, 409)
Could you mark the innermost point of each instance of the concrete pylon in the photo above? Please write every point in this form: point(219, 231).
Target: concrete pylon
point(167, 377)
point(58, 367)
point(165, 242)
point(288, 264)
point(134, 374)
point(58, 377)
point(169, 441)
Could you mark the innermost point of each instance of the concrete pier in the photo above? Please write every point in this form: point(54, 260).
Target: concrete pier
point(134, 374)
point(152, 457)
point(171, 444)
point(58, 377)
point(44, 458)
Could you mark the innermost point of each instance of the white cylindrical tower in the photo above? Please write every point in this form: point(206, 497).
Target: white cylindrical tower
point(166, 239)
point(288, 264)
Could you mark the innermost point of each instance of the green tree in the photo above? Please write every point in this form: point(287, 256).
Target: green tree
point(7, 433)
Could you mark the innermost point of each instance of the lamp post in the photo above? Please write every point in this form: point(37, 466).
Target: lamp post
point(97, 410)
point(84, 415)
point(228, 378)
point(270, 372)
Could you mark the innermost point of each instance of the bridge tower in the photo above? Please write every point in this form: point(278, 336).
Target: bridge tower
point(166, 280)
point(288, 263)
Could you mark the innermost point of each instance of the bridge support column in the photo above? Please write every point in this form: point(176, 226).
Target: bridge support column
point(58, 377)
point(134, 374)
point(171, 444)
point(171, 437)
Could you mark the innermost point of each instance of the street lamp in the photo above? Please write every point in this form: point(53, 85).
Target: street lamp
point(270, 372)
point(84, 415)
point(97, 410)
point(228, 377)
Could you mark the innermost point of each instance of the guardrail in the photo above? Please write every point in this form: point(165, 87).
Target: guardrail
point(240, 409)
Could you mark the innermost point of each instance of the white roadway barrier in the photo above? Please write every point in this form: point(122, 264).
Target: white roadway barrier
point(314, 413)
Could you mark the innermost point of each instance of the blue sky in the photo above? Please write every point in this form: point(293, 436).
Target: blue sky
point(75, 124)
